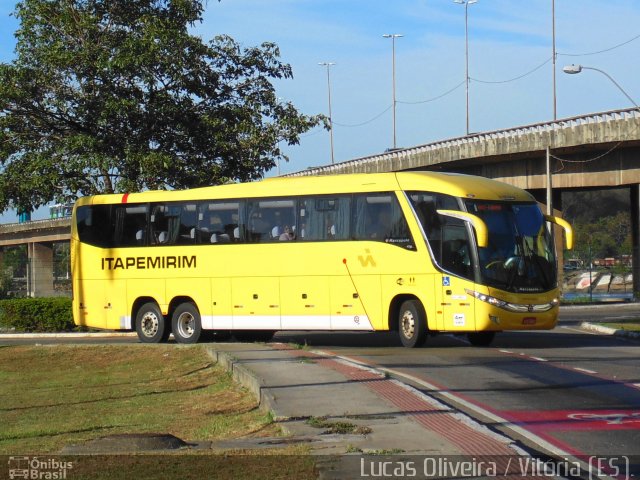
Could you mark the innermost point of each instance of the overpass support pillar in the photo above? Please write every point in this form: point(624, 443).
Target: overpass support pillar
point(40, 274)
point(635, 238)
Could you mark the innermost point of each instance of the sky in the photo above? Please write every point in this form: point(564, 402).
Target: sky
point(510, 64)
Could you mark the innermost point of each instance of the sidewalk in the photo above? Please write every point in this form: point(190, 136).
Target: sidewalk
point(378, 415)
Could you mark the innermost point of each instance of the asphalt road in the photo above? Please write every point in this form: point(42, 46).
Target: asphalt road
point(560, 392)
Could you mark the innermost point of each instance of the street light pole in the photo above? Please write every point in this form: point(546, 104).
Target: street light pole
point(466, 4)
point(328, 65)
point(574, 69)
point(393, 37)
point(553, 52)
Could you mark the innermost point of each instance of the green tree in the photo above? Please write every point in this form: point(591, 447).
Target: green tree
point(116, 95)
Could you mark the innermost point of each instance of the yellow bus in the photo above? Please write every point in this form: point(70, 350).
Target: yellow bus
point(414, 252)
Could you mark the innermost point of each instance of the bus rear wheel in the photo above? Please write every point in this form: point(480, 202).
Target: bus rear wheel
point(150, 324)
point(186, 324)
point(412, 324)
point(481, 339)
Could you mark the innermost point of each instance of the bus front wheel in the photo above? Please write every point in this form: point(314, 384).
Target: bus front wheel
point(150, 324)
point(412, 324)
point(186, 324)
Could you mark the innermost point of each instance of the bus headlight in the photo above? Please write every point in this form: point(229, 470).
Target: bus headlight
point(513, 307)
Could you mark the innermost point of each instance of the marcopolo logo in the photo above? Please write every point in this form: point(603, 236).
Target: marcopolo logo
point(38, 468)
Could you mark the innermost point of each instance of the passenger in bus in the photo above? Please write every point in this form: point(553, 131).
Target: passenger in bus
point(331, 231)
point(287, 234)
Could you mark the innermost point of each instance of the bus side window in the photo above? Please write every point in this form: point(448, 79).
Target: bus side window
point(379, 217)
point(219, 222)
point(94, 225)
point(187, 224)
point(272, 220)
point(166, 223)
point(130, 225)
point(455, 248)
point(159, 225)
point(324, 218)
point(448, 237)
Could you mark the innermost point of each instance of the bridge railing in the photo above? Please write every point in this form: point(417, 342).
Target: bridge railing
point(478, 137)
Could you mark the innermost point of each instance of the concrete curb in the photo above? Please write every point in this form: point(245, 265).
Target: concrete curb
point(610, 331)
point(250, 381)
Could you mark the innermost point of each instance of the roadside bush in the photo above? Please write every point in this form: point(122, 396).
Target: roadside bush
point(37, 314)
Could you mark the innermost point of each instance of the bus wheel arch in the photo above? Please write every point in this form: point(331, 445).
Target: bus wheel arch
point(186, 321)
point(408, 317)
point(150, 324)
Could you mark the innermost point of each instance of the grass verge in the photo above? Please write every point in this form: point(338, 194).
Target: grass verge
point(54, 396)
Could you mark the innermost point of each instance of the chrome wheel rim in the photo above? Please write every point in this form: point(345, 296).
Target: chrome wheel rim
point(408, 324)
point(149, 324)
point(185, 325)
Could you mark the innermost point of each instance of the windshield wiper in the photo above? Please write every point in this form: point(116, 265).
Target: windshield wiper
point(537, 260)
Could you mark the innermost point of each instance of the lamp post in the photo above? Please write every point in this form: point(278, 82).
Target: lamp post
point(466, 4)
point(393, 37)
point(574, 69)
point(554, 57)
point(328, 65)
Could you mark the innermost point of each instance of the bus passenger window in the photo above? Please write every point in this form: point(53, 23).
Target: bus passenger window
point(325, 218)
point(219, 222)
point(187, 224)
point(272, 220)
point(378, 217)
point(130, 225)
point(94, 225)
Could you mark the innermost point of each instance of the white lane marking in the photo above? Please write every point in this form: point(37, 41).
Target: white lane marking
point(585, 370)
point(579, 330)
point(539, 359)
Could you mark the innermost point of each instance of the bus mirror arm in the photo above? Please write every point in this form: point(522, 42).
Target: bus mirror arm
point(482, 232)
point(568, 230)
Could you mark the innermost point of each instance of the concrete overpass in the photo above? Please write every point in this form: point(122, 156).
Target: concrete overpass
point(594, 150)
point(39, 236)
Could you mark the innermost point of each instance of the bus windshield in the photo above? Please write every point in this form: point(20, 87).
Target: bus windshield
point(520, 256)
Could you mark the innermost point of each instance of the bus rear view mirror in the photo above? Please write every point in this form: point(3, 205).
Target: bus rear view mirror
point(482, 233)
point(568, 230)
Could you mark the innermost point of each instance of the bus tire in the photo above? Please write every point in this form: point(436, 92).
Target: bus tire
point(185, 323)
point(412, 324)
point(151, 326)
point(481, 339)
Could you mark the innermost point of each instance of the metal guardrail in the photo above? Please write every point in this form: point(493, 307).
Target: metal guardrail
point(44, 224)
